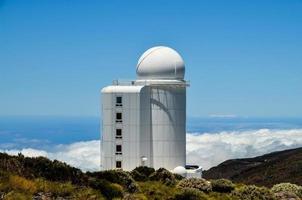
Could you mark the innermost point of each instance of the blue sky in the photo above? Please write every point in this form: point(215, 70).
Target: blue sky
point(242, 58)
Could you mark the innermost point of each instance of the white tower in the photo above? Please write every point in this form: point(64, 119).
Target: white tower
point(144, 120)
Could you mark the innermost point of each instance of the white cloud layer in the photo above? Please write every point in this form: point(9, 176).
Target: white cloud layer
point(84, 155)
point(207, 150)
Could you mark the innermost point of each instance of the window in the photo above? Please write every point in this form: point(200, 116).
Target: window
point(118, 133)
point(118, 164)
point(118, 117)
point(118, 149)
point(118, 101)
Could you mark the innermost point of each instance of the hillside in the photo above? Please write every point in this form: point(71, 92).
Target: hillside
point(23, 178)
point(266, 170)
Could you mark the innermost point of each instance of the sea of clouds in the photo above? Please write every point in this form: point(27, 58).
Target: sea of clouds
point(205, 149)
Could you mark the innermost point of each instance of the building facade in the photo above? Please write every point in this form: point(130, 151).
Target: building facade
point(144, 121)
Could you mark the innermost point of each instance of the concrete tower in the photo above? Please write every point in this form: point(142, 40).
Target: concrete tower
point(143, 121)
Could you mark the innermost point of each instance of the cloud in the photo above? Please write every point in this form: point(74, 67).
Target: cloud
point(207, 149)
point(210, 149)
point(84, 155)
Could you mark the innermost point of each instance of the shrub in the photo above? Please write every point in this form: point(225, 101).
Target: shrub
point(252, 192)
point(157, 190)
point(14, 195)
point(41, 167)
point(55, 188)
point(164, 176)
point(21, 184)
point(288, 187)
point(135, 197)
point(142, 173)
point(87, 194)
point(286, 196)
point(138, 176)
point(195, 183)
point(190, 194)
point(222, 185)
point(147, 171)
point(178, 177)
point(109, 190)
point(117, 176)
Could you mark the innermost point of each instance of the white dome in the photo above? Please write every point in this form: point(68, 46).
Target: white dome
point(160, 63)
point(179, 170)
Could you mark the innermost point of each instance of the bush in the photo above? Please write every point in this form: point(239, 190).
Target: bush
point(190, 194)
point(138, 176)
point(155, 190)
point(117, 176)
point(252, 192)
point(147, 171)
point(55, 188)
point(22, 185)
point(134, 197)
point(109, 190)
point(87, 194)
point(142, 173)
point(14, 195)
point(222, 185)
point(178, 177)
point(195, 183)
point(289, 188)
point(41, 167)
point(164, 176)
point(286, 196)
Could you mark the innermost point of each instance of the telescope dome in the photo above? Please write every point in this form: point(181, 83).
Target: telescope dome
point(160, 63)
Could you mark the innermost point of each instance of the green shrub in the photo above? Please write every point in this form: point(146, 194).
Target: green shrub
point(117, 176)
point(178, 177)
point(14, 195)
point(156, 190)
point(87, 194)
point(109, 190)
point(190, 194)
point(252, 192)
point(286, 196)
point(135, 197)
point(288, 187)
point(55, 188)
point(41, 167)
point(142, 173)
point(164, 176)
point(22, 185)
point(147, 171)
point(195, 183)
point(138, 176)
point(222, 185)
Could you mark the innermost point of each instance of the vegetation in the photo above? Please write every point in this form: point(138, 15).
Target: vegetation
point(190, 194)
point(24, 178)
point(163, 176)
point(142, 173)
point(251, 192)
point(288, 188)
point(196, 183)
point(267, 170)
point(222, 185)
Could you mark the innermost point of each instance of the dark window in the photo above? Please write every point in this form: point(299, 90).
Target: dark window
point(118, 101)
point(119, 117)
point(118, 149)
point(118, 164)
point(118, 133)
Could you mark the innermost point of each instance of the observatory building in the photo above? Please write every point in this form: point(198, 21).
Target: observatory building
point(144, 120)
